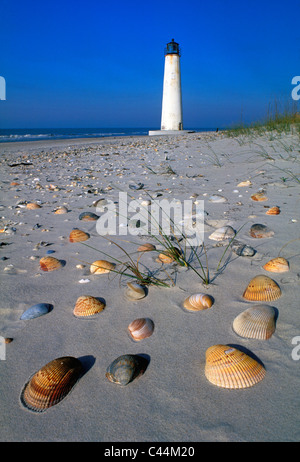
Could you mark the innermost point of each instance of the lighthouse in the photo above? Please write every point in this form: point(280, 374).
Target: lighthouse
point(171, 114)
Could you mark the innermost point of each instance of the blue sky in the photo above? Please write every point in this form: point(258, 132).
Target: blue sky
point(100, 64)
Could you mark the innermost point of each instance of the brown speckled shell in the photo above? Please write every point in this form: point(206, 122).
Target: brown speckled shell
point(50, 264)
point(262, 288)
point(229, 367)
point(76, 235)
point(33, 205)
point(273, 211)
point(51, 383)
point(87, 305)
point(146, 247)
point(260, 197)
point(260, 231)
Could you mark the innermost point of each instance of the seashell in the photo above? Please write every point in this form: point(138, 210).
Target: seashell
point(256, 322)
point(220, 234)
point(146, 247)
point(36, 310)
point(262, 288)
point(273, 211)
point(243, 250)
point(86, 305)
point(76, 235)
point(140, 329)
point(88, 216)
point(50, 264)
point(61, 210)
point(259, 231)
point(136, 186)
point(33, 205)
point(125, 369)
point(51, 383)
point(229, 367)
point(168, 256)
point(217, 198)
point(277, 265)
point(198, 302)
point(260, 197)
point(135, 291)
point(244, 183)
point(101, 267)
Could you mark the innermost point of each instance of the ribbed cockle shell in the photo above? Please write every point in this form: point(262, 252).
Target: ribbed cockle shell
point(87, 305)
point(141, 328)
point(125, 369)
point(229, 367)
point(198, 302)
point(168, 256)
point(256, 322)
point(101, 267)
point(51, 383)
point(77, 235)
point(262, 288)
point(50, 264)
point(277, 265)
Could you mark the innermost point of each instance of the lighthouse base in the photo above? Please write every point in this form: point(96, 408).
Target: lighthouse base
point(170, 132)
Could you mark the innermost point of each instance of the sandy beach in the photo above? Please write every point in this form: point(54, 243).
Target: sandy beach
point(172, 401)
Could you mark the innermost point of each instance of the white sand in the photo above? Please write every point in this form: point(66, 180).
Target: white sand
point(173, 401)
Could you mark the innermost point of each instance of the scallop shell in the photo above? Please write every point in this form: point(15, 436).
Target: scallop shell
point(51, 383)
point(146, 247)
point(220, 234)
point(33, 205)
point(101, 267)
point(260, 197)
point(88, 216)
point(61, 210)
point(262, 288)
point(141, 328)
point(36, 310)
point(259, 231)
point(50, 264)
point(256, 322)
point(273, 211)
point(86, 305)
point(135, 291)
point(76, 235)
point(229, 367)
point(277, 265)
point(198, 302)
point(125, 369)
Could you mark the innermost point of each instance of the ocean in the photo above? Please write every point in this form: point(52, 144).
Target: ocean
point(35, 134)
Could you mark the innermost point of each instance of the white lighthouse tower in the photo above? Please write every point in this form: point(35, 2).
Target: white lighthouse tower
point(171, 115)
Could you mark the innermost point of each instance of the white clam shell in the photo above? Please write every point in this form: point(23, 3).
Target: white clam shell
point(220, 234)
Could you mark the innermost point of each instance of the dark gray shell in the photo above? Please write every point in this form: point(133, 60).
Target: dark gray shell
point(36, 310)
point(125, 369)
